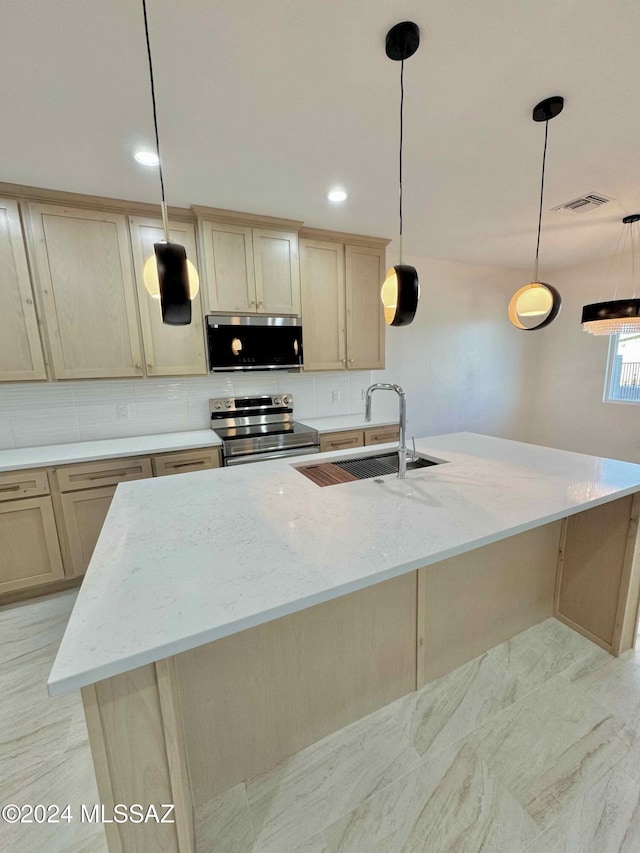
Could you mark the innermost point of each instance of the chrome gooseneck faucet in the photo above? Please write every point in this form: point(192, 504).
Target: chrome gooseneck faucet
point(402, 447)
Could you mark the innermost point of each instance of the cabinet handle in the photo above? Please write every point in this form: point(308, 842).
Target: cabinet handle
point(186, 464)
point(29, 301)
point(350, 361)
point(10, 488)
point(343, 360)
point(344, 441)
point(110, 474)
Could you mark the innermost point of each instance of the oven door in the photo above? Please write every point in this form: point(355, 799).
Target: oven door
point(276, 454)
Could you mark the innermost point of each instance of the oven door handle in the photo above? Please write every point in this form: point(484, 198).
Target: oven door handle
point(278, 454)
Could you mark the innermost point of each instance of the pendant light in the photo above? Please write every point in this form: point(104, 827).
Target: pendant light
point(619, 315)
point(401, 290)
point(537, 304)
point(167, 274)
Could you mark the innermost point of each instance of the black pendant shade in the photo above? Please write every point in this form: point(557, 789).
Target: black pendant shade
point(400, 294)
point(173, 277)
point(401, 290)
point(537, 304)
point(169, 277)
point(617, 309)
point(617, 316)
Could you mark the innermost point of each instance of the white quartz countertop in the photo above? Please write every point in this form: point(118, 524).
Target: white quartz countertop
point(186, 560)
point(108, 448)
point(340, 423)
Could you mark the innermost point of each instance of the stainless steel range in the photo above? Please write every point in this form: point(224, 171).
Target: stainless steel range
point(260, 427)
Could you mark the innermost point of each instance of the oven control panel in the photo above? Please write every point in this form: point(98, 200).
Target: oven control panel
point(267, 404)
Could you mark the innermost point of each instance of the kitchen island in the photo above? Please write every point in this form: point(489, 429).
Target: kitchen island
point(231, 617)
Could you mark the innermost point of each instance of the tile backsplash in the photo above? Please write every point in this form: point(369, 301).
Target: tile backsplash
point(36, 413)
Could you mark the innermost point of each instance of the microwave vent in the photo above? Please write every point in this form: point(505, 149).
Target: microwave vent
point(590, 201)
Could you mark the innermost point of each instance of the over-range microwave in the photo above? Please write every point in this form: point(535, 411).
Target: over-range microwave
point(254, 343)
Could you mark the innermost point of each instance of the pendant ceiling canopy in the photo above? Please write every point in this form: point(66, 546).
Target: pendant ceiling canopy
point(617, 316)
point(537, 304)
point(401, 289)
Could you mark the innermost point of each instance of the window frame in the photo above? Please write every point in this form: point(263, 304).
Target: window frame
point(612, 352)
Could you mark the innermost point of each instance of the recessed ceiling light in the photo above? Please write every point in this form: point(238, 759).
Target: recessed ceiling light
point(147, 158)
point(336, 195)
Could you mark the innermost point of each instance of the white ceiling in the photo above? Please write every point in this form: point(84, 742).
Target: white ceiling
point(265, 104)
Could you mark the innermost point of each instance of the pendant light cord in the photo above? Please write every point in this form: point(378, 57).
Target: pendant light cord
point(401, 136)
point(544, 160)
point(155, 122)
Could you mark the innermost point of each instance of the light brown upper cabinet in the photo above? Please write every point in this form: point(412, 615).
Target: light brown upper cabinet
point(83, 266)
point(249, 270)
point(21, 355)
point(168, 350)
point(342, 320)
point(275, 257)
point(365, 320)
point(323, 305)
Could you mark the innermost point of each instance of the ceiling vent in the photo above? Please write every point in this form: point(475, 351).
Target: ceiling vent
point(590, 201)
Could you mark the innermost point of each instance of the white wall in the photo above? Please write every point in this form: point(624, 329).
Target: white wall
point(570, 374)
point(461, 363)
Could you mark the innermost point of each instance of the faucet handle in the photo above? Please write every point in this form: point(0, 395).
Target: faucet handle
point(414, 455)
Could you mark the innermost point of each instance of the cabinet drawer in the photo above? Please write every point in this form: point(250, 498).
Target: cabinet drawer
point(186, 460)
point(108, 473)
point(341, 440)
point(381, 435)
point(23, 484)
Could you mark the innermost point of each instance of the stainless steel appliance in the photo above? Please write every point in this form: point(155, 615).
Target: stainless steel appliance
point(260, 427)
point(254, 343)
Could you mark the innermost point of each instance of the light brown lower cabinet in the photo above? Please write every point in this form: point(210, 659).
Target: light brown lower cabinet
point(29, 548)
point(381, 435)
point(358, 438)
point(186, 460)
point(50, 537)
point(84, 513)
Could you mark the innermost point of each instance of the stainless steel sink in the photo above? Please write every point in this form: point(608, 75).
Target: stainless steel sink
point(379, 464)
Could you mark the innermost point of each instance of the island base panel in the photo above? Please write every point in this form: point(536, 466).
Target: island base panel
point(254, 698)
point(598, 582)
point(137, 744)
point(470, 603)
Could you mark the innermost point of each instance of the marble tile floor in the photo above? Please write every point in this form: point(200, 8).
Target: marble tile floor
point(533, 747)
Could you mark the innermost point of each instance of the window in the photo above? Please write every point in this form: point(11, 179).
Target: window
point(623, 374)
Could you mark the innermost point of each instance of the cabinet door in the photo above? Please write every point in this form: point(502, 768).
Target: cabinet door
point(28, 544)
point(323, 305)
point(20, 347)
point(168, 350)
point(365, 321)
point(84, 514)
point(275, 256)
point(83, 263)
point(227, 253)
